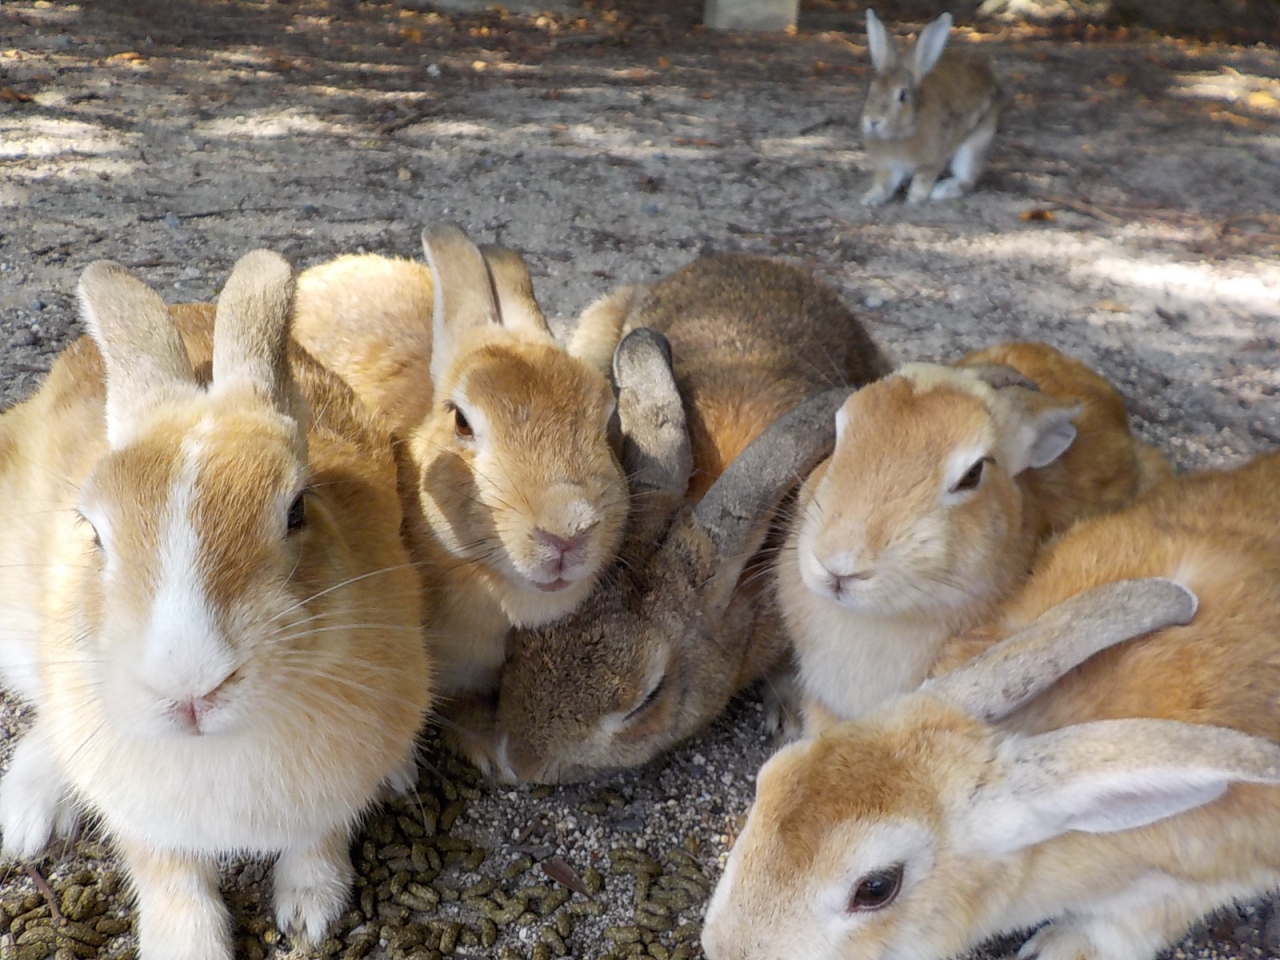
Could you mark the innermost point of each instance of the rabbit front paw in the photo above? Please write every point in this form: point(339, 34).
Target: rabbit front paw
point(35, 801)
point(1060, 940)
point(948, 189)
point(312, 887)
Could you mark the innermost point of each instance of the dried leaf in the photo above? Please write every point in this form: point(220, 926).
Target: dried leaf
point(14, 96)
point(663, 62)
point(1111, 306)
point(565, 875)
point(1039, 213)
point(1262, 100)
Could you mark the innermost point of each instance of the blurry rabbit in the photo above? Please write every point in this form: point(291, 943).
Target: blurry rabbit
point(936, 108)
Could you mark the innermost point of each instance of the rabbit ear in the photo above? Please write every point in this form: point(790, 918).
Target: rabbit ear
point(144, 355)
point(464, 297)
point(734, 514)
point(1041, 430)
point(998, 376)
point(518, 310)
point(929, 46)
point(1001, 679)
point(656, 454)
point(251, 330)
point(883, 48)
point(1106, 776)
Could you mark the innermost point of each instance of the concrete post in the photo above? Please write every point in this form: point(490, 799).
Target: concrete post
point(750, 14)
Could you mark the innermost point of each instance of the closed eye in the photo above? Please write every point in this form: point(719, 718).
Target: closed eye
point(650, 699)
point(972, 477)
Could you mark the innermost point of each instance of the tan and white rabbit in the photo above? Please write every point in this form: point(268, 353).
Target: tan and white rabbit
point(932, 110)
point(1120, 800)
point(944, 481)
point(681, 628)
point(514, 496)
point(208, 603)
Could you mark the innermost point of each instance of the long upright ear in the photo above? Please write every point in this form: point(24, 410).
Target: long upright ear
point(656, 454)
point(1001, 679)
point(1040, 430)
point(144, 355)
point(929, 46)
point(251, 330)
point(464, 297)
point(518, 309)
point(883, 48)
point(601, 325)
point(1107, 776)
point(734, 514)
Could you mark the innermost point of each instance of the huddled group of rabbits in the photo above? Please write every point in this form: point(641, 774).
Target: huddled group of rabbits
point(247, 549)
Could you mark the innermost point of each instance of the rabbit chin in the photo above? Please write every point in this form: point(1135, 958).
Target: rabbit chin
point(530, 603)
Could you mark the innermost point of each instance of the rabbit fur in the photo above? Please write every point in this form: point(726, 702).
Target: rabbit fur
point(208, 604)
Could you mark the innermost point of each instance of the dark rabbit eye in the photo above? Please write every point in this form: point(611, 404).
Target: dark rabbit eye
point(876, 890)
point(461, 426)
point(972, 477)
point(97, 540)
point(902, 95)
point(297, 517)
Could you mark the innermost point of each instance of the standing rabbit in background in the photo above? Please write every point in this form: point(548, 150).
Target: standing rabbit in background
point(944, 482)
point(935, 109)
point(204, 595)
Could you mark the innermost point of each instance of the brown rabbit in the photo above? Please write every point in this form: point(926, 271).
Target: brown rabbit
point(658, 654)
point(1120, 795)
point(943, 483)
point(937, 109)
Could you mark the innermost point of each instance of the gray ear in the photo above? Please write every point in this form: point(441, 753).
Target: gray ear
point(518, 309)
point(1004, 677)
point(1107, 776)
point(1043, 430)
point(929, 46)
point(144, 355)
point(735, 513)
point(251, 329)
point(883, 49)
point(464, 297)
point(656, 455)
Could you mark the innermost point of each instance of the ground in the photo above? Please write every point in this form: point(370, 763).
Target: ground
point(1131, 216)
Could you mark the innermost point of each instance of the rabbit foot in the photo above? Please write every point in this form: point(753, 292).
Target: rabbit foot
point(877, 196)
point(1057, 941)
point(34, 801)
point(403, 779)
point(312, 887)
point(948, 189)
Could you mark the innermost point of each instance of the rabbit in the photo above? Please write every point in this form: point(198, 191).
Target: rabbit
point(937, 110)
point(1118, 793)
point(681, 628)
point(208, 604)
point(514, 497)
point(943, 482)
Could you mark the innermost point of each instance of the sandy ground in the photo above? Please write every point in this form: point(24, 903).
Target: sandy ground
point(1131, 216)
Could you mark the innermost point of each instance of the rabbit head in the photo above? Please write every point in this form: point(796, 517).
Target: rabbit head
point(516, 475)
point(902, 834)
point(919, 509)
point(659, 653)
point(891, 111)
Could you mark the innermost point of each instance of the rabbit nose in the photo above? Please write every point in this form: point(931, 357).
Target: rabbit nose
point(566, 552)
point(841, 582)
point(191, 711)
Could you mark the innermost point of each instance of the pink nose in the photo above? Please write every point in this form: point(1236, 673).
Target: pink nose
point(190, 712)
point(841, 582)
point(566, 551)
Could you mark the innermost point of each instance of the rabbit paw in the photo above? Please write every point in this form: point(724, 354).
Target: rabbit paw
point(948, 189)
point(34, 801)
point(877, 196)
point(312, 887)
point(1059, 941)
point(403, 780)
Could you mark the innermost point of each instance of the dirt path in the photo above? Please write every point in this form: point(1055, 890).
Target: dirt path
point(1131, 217)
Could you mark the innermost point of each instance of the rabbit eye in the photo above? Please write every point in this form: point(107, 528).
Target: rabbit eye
point(902, 94)
point(650, 699)
point(876, 890)
point(297, 516)
point(97, 538)
point(461, 426)
point(972, 477)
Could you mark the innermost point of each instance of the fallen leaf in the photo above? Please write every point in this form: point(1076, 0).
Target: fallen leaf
point(14, 96)
point(412, 34)
point(565, 875)
point(663, 62)
point(1111, 306)
point(129, 56)
point(1037, 214)
point(1261, 100)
